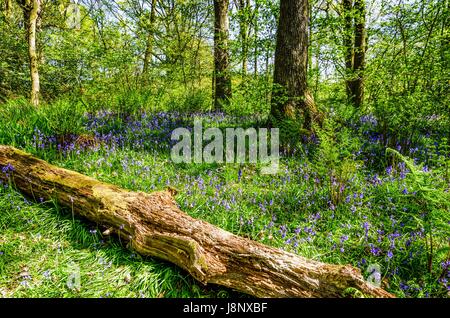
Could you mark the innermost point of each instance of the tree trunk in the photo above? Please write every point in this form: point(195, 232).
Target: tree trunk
point(348, 38)
point(222, 81)
point(355, 49)
point(155, 226)
point(255, 38)
point(8, 9)
point(31, 10)
point(360, 52)
point(149, 43)
point(310, 37)
point(243, 6)
point(290, 93)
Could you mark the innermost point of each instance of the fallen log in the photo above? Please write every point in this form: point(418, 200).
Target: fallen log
point(155, 226)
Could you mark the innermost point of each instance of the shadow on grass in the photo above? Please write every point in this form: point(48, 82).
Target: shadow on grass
point(41, 244)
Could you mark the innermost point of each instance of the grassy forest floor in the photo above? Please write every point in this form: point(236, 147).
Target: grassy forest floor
point(340, 199)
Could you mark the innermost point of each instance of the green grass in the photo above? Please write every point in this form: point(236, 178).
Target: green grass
point(43, 247)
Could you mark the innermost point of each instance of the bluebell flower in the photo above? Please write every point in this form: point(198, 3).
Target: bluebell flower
point(389, 170)
point(8, 168)
point(374, 250)
point(445, 264)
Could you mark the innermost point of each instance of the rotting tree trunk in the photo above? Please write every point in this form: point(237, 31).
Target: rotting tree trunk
point(290, 94)
point(156, 227)
point(222, 79)
point(31, 10)
point(150, 39)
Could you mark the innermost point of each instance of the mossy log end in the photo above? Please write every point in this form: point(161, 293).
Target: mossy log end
point(156, 227)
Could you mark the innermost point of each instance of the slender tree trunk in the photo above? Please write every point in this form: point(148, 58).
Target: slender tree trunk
point(31, 10)
point(290, 94)
point(255, 40)
point(8, 9)
point(243, 6)
point(445, 49)
point(348, 38)
point(360, 52)
point(150, 39)
point(310, 32)
point(222, 81)
point(155, 226)
point(355, 44)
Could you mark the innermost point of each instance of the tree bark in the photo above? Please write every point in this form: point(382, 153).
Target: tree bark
point(150, 36)
point(222, 79)
point(31, 10)
point(255, 38)
point(243, 7)
point(360, 52)
point(348, 37)
point(290, 93)
point(155, 226)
